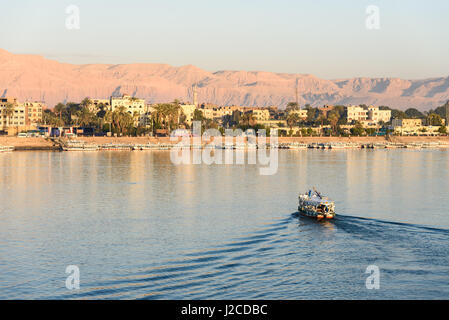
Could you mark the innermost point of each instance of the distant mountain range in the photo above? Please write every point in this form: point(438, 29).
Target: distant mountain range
point(32, 77)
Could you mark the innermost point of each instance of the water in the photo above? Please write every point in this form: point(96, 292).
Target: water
point(139, 227)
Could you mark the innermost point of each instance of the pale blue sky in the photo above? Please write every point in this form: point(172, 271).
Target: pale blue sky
point(326, 38)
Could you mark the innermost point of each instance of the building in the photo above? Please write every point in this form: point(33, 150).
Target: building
point(356, 113)
point(188, 110)
point(96, 103)
point(12, 114)
point(407, 126)
point(131, 104)
point(134, 106)
point(407, 123)
point(325, 110)
point(302, 113)
point(19, 116)
point(376, 115)
point(260, 114)
point(33, 113)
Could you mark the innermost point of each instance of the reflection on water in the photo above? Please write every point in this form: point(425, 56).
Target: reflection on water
point(139, 227)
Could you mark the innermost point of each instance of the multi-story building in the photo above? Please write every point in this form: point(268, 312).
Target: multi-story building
point(134, 106)
point(302, 113)
point(376, 115)
point(12, 114)
point(407, 126)
point(356, 113)
point(19, 115)
point(131, 104)
point(260, 114)
point(326, 109)
point(33, 112)
point(188, 110)
point(407, 123)
point(96, 103)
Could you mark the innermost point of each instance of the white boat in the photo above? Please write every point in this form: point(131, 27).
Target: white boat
point(313, 204)
point(116, 147)
point(148, 146)
point(6, 148)
point(337, 145)
point(298, 145)
point(379, 146)
point(75, 145)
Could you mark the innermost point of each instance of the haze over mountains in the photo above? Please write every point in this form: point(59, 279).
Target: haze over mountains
point(32, 77)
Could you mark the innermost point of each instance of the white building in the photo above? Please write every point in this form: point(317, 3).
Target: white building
point(134, 106)
point(188, 110)
point(356, 113)
point(377, 115)
point(131, 104)
point(16, 118)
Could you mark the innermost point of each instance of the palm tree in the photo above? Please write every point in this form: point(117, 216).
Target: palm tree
point(291, 106)
point(160, 114)
point(86, 102)
point(86, 117)
point(292, 119)
point(167, 114)
point(9, 111)
point(174, 111)
point(136, 118)
point(121, 119)
point(108, 119)
point(59, 109)
point(248, 119)
point(333, 119)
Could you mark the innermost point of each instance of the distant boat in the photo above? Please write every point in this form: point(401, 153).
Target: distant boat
point(74, 145)
point(6, 148)
point(313, 204)
point(116, 147)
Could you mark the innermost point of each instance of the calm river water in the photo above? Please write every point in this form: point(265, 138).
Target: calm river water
point(139, 227)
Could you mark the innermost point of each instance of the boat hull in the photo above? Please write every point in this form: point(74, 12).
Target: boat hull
point(316, 215)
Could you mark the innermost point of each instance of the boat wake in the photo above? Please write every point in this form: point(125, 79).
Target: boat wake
point(295, 258)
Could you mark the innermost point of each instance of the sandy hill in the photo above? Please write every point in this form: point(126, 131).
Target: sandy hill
point(32, 77)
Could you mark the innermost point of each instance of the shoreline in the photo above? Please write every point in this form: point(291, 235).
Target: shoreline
point(42, 144)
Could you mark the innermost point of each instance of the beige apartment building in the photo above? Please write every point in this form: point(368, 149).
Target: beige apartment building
point(367, 116)
point(302, 113)
point(260, 114)
point(17, 116)
point(356, 113)
point(376, 115)
point(22, 116)
point(407, 126)
point(96, 103)
point(188, 110)
point(134, 106)
point(33, 112)
point(131, 104)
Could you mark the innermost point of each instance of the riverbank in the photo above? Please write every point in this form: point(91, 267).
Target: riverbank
point(21, 144)
point(29, 144)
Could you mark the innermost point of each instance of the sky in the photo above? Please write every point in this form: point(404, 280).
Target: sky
point(327, 38)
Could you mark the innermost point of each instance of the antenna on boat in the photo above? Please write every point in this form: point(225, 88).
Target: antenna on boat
point(317, 193)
